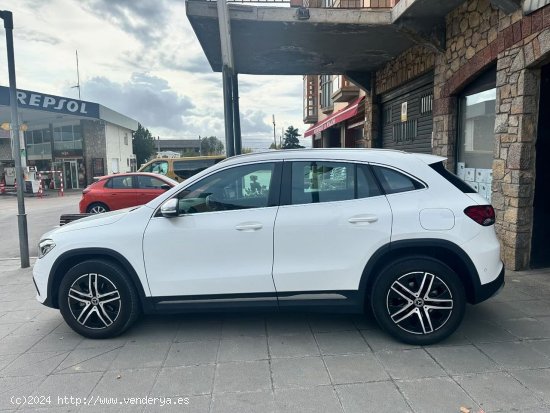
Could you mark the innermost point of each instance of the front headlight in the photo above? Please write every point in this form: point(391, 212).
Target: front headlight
point(45, 246)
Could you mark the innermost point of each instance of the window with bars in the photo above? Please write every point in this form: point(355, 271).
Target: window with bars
point(426, 104)
point(387, 115)
point(405, 131)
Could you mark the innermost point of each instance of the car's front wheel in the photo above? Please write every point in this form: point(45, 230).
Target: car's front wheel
point(418, 300)
point(97, 300)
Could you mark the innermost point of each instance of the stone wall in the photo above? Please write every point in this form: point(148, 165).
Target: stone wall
point(408, 66)
point(93, 132)
point(5, 150)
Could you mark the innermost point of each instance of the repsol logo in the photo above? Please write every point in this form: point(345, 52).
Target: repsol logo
point(51, 103)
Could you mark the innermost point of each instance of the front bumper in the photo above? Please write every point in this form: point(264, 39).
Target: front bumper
point(40, 275)
point(485, 291)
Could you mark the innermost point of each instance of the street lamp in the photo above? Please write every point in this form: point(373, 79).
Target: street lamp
point(7, 16)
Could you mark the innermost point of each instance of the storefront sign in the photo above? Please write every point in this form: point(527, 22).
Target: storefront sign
point(530, 6)
point(39, 101)
point(68, 153)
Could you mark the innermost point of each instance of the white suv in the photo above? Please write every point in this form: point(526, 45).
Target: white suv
point(317, 229)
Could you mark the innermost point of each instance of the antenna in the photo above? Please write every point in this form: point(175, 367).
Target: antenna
point(77, 77)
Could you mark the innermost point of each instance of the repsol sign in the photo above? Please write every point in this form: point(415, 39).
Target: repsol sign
point(38, 101)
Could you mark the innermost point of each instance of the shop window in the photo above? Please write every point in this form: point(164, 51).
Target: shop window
point(477, 133)
point(38, 144)
point(67, 137)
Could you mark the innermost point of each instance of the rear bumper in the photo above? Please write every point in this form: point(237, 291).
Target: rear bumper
point(485, 291)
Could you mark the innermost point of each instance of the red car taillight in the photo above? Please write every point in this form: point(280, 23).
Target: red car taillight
point(86, 190)
point(482, 214)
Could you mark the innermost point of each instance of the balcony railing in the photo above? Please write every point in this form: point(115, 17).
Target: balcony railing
point(327, 4)
point(344, 4)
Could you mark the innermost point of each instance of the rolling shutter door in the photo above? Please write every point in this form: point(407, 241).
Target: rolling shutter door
point(415, 134)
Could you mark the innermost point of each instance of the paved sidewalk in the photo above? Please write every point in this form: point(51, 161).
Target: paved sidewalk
point(499, 360)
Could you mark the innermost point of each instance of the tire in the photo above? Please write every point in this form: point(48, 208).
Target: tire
point(97, 208)
point(408, 311)
point(112, 307)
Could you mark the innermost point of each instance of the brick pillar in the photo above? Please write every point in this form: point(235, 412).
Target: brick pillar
point(514, 153)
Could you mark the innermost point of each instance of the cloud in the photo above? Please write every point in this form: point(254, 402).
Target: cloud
point(35, 36)
point(177, 60)
point(254, 122)
point(148, 99)
point(144, 19)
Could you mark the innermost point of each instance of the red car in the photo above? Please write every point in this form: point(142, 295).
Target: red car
point(122, 191)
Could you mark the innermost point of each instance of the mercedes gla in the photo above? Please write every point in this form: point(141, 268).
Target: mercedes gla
point(339, 230)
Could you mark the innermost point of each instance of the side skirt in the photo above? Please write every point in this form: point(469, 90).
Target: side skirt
point(314, 301)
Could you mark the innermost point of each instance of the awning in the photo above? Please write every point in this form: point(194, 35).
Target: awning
point(348, 112)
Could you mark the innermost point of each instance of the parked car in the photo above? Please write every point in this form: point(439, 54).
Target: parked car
point(337, 230)
point(119, 191)
point(180, 169)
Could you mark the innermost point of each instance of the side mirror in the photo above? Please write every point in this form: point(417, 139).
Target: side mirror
point(170, 208)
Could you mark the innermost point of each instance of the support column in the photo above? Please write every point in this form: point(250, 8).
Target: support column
point(236, 115)
point(228, 112)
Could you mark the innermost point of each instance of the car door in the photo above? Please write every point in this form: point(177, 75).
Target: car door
point(334, 219)
point(120, 192)
point(221, 244)
point(149, 188)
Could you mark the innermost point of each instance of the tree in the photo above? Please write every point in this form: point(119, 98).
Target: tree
point(211, 146)
point(246, 150)
point(143, 144)
point(274, 146)
point(291, 140)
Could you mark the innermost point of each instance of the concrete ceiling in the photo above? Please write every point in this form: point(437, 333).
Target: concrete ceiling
point(273, 41)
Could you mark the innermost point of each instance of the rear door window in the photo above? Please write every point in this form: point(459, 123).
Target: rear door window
point(394, 182)
point(120, 182)
point(322, 181)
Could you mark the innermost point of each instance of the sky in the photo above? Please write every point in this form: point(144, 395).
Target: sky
point(142, 59)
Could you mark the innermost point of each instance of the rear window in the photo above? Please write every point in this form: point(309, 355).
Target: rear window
point(452, 178)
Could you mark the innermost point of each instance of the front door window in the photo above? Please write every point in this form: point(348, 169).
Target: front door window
point(242, 187)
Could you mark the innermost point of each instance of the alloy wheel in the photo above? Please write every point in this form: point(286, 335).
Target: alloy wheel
point(98, 209)
point(94, 301)
point(419, 302)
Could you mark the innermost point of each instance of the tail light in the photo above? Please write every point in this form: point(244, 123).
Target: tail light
point(482, 214)
point(86, 190)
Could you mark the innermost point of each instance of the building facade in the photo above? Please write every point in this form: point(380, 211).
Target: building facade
point(77, 138)
point(482, 100)
point(336, 108)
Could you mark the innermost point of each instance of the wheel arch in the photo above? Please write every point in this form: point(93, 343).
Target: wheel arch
point(69, 259)
point(442, 250)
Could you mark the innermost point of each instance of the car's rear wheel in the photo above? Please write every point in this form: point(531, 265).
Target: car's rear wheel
point(418, 300)
point(97, 208)
point(97, 300)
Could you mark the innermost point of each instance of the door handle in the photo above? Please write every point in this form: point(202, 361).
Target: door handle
point(363, 219)
point(249, 226)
